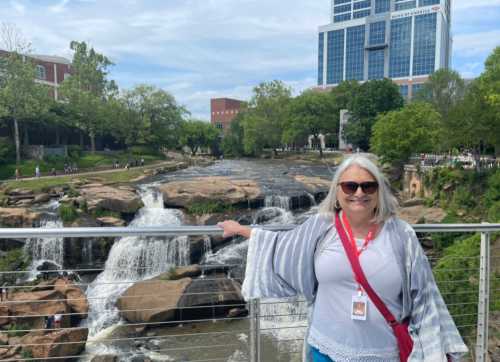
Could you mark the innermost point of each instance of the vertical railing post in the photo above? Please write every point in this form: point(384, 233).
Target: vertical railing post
point(484, 299)
point(254, 312)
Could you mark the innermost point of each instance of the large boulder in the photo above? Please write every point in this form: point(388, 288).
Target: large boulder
point(153, 300)
point(18, 217)
point(207, 189)
point(314, 185)
point(64, 342)
point(75, 298)
point(163, 299)
point(420, 214)
point(110, 198)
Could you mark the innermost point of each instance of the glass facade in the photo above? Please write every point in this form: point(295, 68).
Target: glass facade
point(337, 2)
point(361, 14)
point(416, 88)
point(320, 57)
point(355, 51)
point(377, 33)
point(405, 5)
point(362, 5)
point(403, 90)
point(428, 2)
point(376, 64)
point(343, 17)
point(382, 6)
point(400, 48)
point(424, 44)
point(342, 8)
point(335, 57)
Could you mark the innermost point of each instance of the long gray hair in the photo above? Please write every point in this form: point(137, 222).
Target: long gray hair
point(387, 204)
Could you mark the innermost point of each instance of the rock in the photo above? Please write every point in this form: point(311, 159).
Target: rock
point(23, 203)
point(76, 299)
point(18, 217)
point(4, 311)
point(237, 312)
point(4, 339)
point(105, 358)
point(189, 271)
point(210, 189)
point(413, 202)
point(422, 214)
point(158, 297)
point(20, 192)
point(40, 198)
point(55, 344)
point(8, 352)
point(110, 198)
point(48, 302)
point(314, 185)
point(110, 221)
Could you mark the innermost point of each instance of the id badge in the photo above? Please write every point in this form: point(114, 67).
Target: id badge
point(359, 307)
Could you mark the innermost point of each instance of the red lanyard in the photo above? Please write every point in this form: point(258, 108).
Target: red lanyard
point(357, 252)
point(369, 236)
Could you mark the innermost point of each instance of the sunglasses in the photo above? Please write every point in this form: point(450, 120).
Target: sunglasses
point(350, 187)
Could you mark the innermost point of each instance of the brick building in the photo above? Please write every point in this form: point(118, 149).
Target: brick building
point(50, 70)
point(223, 111)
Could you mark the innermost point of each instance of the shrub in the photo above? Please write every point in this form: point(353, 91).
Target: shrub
point(207, 207)
point(75, 151)
point(7, 150)
point(143, 150)
point(68, 212)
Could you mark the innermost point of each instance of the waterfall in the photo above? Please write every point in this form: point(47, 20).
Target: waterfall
point(283, 202)
point(50, 249)
point(207, 246)
point(87, 251)
point(132, 259)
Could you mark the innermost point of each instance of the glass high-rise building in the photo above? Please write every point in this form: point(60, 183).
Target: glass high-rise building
point(405, 40)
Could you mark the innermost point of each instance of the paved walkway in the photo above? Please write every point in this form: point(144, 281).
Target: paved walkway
point(96, 171)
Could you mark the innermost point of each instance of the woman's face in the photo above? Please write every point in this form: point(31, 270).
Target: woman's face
point(358, 202)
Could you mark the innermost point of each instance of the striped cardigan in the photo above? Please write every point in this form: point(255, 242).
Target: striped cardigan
point(281, 265)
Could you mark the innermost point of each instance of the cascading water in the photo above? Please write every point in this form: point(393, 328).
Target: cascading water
point(132, 259)
point(43, 250)
point(283, 202)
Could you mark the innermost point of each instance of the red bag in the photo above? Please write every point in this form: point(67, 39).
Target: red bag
point(405, 342)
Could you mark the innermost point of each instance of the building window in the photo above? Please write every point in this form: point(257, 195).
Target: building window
point(405, 5)
point(362, 4)
point(428, 2)
point(361, 14)
point(377, 33)
point(376, 64)
point(66, 76)
point(355, 52)
point(416, 88)
point(382, 6)
point(399, 51)
point(342, 8)
point(337, 2)
point(343, 17)
point(219, 125)
point(403, 90)
point(320, 57)
point(424, 47)
point(335, 57)
point(40, 72)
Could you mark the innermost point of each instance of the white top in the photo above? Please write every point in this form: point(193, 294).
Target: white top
point(57, 317)
point(333, 332)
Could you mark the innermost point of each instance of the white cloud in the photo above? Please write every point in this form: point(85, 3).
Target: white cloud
point(476, 44)
point(468, 4)
point(18, 7)
point(60, 7)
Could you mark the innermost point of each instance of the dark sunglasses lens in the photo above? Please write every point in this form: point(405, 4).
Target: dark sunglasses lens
point(349, 187)
point(369, 187)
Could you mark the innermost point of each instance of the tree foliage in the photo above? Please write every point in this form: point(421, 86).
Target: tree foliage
point(368, 101)
point(198, 134)
point(399, 134)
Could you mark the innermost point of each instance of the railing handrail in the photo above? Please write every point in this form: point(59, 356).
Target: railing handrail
point(13, 233)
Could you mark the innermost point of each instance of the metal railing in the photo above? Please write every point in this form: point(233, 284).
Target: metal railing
point(473, 326)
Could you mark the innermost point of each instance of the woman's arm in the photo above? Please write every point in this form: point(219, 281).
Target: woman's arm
point(232, 228)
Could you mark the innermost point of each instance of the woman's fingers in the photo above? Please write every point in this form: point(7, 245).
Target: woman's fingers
point(230, 227)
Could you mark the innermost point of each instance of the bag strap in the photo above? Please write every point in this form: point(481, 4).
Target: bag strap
point(360, 275)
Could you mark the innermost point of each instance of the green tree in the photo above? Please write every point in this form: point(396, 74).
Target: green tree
point(368, 101)
point(311, 113)
point(263, 123)
point(232, 141)
point(87, 89)
point(399, 134)
point(197, 134)
point(21, 98)
point(152, 116)
point(444, 90)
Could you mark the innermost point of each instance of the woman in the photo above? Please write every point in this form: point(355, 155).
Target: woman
point(311, 261)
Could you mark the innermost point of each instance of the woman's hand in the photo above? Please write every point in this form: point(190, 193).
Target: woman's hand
point(232, 228)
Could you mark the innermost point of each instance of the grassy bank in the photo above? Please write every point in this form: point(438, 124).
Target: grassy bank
point(84, 161)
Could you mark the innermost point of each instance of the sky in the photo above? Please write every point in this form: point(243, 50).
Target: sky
point(202, 49)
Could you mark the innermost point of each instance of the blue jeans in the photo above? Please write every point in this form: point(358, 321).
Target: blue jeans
point(317, 356)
